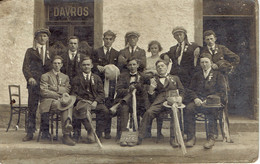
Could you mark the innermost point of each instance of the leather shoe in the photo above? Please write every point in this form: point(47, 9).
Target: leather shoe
point(174, 143)
point(191, 142)
point(28, 137)
point(45, 136)
point(91, 138)
point(107, 136)
point(68, 127)
point(123, 143)
point(209, 144)
point(131, 144)
point(67, 140)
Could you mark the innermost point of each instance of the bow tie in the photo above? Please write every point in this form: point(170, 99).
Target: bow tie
point(162, 76)
point(133, 75)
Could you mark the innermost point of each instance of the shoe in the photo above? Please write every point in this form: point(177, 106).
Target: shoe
point(139, 142)
point(91, 137)
point(67, 140)
point(45, 136)
point(28, 137)
point(107, 136)
point(191, 142)
point(174, 143)
point(123, 143)
point(209, 144)
point(68, 127)
point(148, 135)
point(131, 144)
point(161, 136)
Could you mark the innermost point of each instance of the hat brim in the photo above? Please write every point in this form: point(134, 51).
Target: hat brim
point(80, 111)
point(212, 106)
point(42, 31)
point(178, 31)
point(62, 108)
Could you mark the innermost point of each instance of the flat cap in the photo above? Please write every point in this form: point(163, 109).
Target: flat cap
point(109, 33)
point(179, 29)
point(206, 55)
point(43, 30)
point(132, 33)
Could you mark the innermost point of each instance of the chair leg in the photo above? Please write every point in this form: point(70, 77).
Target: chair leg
point(11, 116)
point(26, 119)
point(57, 126)
point(206, 127)
point(18, 120)
point(159, 128)
point(39, 135)
point(51, 128)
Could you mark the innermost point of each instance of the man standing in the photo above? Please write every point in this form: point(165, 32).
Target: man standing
point(36, 62)
point(88, 86)
point(158, 90)
point(127, 82)
point(102, 57)
point(71, 67)
point(184, 56)
point(131, 50)
point(55, 88)
point(204, 83)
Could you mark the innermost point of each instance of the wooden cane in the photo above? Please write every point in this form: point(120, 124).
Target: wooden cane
point(93, 130)
point(177, 128)
point(134, 109)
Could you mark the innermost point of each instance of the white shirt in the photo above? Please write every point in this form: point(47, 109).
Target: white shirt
point(39, 46)
point(106, 49)
point(132, 78)
point(182, 48)
point(87, 76)
point(130, 49)
point(72, 55)
point(162, 79)
point(206, 73)
point(213, 47)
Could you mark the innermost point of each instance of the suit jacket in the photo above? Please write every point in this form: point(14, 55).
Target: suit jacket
point(186, 69)
point(214, 84)
point(96, 88)
point(33, 66)
point(52, 89)
point(100, 58)
point(172, 82)
point(67, 66)
point(222, 52)
point(138, 53)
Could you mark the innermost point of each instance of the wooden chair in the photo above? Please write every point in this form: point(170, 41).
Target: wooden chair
point(16, 106)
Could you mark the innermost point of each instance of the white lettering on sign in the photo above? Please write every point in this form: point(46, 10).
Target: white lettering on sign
point(70, 11)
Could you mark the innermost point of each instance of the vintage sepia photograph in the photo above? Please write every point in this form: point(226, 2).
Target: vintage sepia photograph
point(129, 81)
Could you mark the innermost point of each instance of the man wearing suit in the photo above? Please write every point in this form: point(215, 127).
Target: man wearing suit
point(131, 50)
point(55, 87)
point(127, 82)
point(89, 86)
point(204, 83)
point(184, 56)
point(71, 67)
point(158, 90)
point(36, 62)
point(101, 57)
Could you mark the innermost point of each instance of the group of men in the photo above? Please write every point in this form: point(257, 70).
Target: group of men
point(77, 84)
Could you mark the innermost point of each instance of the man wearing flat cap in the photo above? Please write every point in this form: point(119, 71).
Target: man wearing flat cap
point(103, 56)
point(37, 61)
point(183, 56)
point(131, 50)
point(206, 82)
point(55, 88)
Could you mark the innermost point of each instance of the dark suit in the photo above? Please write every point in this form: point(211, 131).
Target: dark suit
point(186, 69)
point(200, 88)
point(159, 96)
point(33, 68)
point(141, 97)
point(138, 54)
point(72, 67)
point(92, 90)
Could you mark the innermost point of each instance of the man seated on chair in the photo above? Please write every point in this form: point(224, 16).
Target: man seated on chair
point(127, 82)
point(158, 89)
point(204, 83)
point(54, 91)
point(88, 86)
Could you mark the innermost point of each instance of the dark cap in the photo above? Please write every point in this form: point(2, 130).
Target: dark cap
point(179, 29)
point(44, 30)
point(132, 33)
point(109, 33)
point(206, 55)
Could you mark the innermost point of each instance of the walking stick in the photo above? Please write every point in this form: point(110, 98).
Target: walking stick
point(134, 109)
point(177, 128)
point(92, 128)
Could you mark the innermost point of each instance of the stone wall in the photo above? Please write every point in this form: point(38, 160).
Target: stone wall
point(16, 33)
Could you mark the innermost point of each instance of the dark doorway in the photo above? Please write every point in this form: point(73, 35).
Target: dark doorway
point(235, 34)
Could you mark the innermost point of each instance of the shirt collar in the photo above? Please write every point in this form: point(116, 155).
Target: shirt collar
point(40, 46)
point(133, 73)
point(130, 48)
point(213, 47)
point(106, 49)
point(55, 73)
point(70, 52)
point(85, 75)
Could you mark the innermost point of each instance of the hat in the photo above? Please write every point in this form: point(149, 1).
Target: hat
point(206, 55)
point(66, 102)
point(132, 33)
point(80, 110)
point(179, 29)
point(212, 101)
point(109, 33)
point(44, 30)
point(111, 72)
point(224, 66)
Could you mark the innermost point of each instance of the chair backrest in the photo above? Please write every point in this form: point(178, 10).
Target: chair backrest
point(15, 95)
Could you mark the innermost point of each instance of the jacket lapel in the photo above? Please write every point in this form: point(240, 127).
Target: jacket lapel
point(53, 78)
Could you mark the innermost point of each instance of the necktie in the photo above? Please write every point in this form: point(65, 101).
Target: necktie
point(42, 55)
point(132, 51)
point(212, 50)
point(107, 54)
point(178, 51)
point(58, 79)
point(73, 55)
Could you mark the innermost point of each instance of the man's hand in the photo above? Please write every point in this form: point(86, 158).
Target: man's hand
point(131, 88)
point(94, 105)
point(100, 68)
point(196, 54)
point(214, 66)
point(153, 85)
point(198, 102)
point(32, 81)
